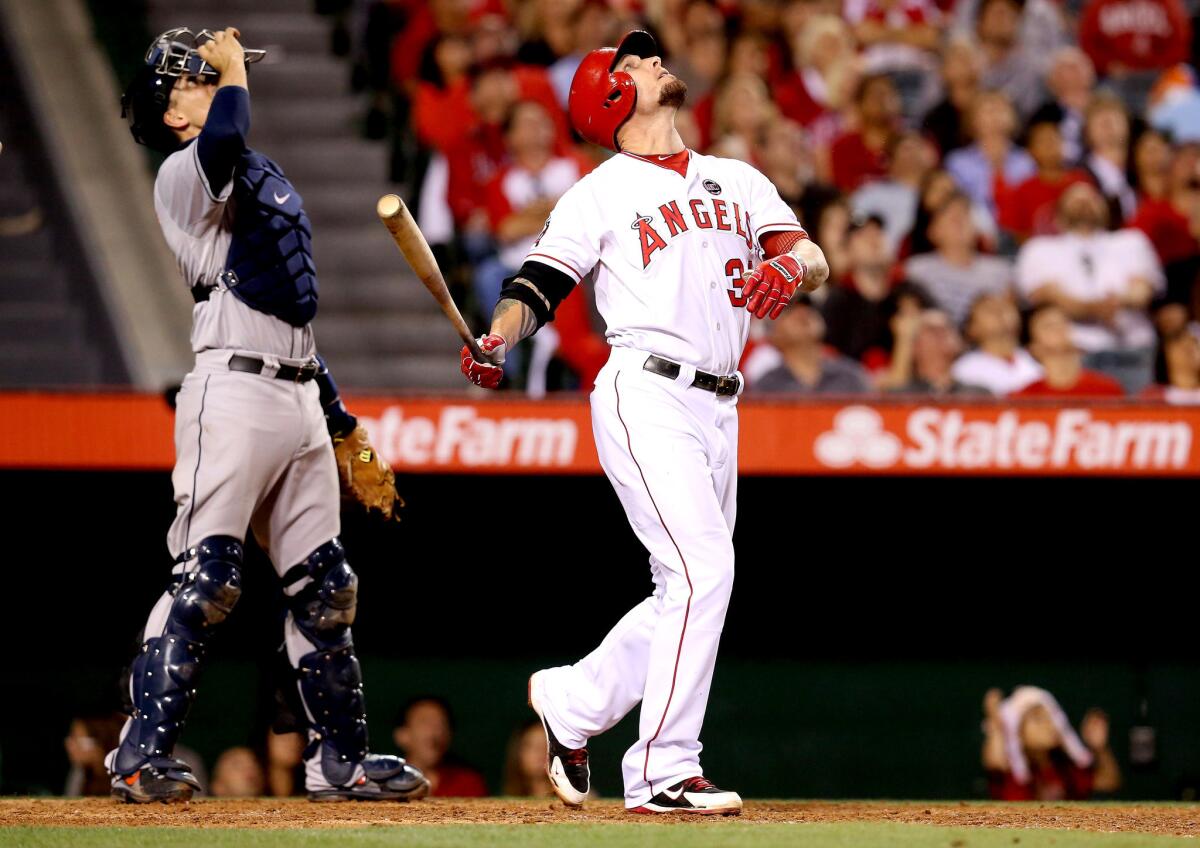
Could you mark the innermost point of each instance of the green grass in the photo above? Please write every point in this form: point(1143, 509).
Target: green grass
point(720, 834)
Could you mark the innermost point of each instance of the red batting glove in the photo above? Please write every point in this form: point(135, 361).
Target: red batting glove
point(486, 374)
point(770, 286)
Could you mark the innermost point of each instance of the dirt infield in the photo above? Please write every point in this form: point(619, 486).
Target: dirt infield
point(1176, 820)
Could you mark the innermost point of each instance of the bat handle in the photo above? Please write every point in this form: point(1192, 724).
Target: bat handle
point(476, 352)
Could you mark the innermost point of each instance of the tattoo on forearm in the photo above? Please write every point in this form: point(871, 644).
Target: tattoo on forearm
point(528, 323)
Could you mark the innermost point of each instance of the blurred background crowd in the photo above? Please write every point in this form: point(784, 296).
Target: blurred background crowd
point(1030, 751)
point(1008, 190)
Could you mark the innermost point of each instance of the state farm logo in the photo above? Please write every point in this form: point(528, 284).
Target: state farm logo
point(857, 436)
point(935, 438)
point(458, 436)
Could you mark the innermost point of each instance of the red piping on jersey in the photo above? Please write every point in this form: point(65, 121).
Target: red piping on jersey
point(578, 276)
point(687, 609)
point(677, 162)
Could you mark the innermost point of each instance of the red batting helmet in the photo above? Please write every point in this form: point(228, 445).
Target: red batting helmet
point(601, 99)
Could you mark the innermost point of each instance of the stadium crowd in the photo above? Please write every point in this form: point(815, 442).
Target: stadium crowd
point(1008, 190)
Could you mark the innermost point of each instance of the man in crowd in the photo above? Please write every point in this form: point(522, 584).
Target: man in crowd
point(424, 731)
point(927, 344)
point(956, 274)
point(1050, 342)
point(1103, 281)
point(809, 368)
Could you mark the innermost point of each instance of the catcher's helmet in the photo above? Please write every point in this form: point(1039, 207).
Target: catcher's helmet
point(601, 99)
point(171, 55)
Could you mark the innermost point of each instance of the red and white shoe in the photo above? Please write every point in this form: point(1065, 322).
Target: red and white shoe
point(567, 768)
point(695, 795)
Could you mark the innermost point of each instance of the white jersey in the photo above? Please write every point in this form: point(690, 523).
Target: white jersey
point(667, 252)
point(197, 225)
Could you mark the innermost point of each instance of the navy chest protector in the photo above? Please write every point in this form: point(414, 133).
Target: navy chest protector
point(270, 266)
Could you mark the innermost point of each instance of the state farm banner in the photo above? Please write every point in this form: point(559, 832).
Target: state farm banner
point(517, 436)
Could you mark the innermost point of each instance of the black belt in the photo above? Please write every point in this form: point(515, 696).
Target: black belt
point(723, 386)
point(254, 365)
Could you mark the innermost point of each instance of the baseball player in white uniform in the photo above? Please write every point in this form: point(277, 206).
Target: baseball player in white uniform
point(674, 243)
point(255, 431)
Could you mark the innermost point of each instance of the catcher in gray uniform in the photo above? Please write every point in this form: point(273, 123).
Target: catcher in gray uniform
point(260, 435)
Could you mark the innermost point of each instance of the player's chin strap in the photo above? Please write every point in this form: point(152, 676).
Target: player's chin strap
point(330, 678)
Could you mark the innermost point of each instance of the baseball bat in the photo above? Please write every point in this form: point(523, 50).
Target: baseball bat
point(412, 244)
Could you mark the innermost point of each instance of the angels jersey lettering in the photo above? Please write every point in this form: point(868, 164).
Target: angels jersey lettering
point(667, 251)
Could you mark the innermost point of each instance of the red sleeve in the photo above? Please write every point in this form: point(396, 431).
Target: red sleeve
point(463, 192)
point(430, 108)
point(1009, 209)
point(774, 244)
point(496, 202)
point(409, 44)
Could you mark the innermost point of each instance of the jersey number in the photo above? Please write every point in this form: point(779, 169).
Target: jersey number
point(734, 269)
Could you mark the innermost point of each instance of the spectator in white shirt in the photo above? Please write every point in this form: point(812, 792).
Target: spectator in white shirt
point(955, 274)
point(998, 363)
point(1103, 280)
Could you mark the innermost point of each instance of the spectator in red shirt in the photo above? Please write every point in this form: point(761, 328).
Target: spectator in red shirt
point(521, 195)
point(1029, 207)
point(1031, 752)
point(1050, 343)
point(860, 155)
point(424, 730)
point(1124, 36)
point(825, 70)
point(1173, 222)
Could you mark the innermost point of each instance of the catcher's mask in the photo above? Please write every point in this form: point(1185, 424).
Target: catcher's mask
point(171, 55)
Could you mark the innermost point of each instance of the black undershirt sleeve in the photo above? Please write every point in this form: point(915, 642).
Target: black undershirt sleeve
point(553, 285)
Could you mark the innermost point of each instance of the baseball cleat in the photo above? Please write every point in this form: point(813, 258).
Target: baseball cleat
point(694, 795)
point(161, 780)
point(380, 778)
point(567, 768)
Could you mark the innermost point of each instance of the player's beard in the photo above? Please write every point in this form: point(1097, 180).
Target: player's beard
point(673, 93)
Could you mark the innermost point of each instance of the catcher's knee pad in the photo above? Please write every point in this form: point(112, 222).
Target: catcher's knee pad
point(164, 673)
point(324, 609)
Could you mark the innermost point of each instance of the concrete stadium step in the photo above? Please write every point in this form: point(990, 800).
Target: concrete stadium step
point(401, 291)
point(336, 204)
point(328, 161)
point(386, 333)
point(413, 372)
point(30, 281)
point(296, 118)
point(314, 76)
point(29, 365)
point(40, 322)
point(357, 250)
point(35, 246)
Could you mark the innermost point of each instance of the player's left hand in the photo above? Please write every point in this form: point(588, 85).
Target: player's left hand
point(365, 477)
point(770, 286)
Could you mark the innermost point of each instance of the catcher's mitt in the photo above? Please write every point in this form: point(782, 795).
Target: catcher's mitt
point(366, 478)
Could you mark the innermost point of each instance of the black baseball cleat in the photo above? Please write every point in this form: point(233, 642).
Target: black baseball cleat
point(694, 795)
point(380, 777)
point(160, 780)
point(567, 768)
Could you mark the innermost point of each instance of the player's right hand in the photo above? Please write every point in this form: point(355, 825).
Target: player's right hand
point(486, 374)
point(224, 51)
point(768, 288)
